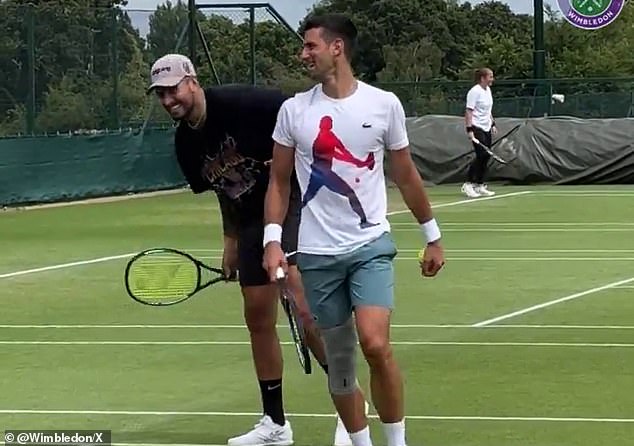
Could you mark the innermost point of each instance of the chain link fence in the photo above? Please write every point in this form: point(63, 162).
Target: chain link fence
point(523, 98)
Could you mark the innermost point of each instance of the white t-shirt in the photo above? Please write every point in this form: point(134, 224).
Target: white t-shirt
point(480, 100)
point(335, 141)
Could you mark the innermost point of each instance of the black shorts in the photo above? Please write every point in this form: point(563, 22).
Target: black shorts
point(251, 251)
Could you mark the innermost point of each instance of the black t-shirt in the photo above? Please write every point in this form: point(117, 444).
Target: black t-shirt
point(230, 153)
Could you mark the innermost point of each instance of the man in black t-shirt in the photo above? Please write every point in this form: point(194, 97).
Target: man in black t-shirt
point(224, 144)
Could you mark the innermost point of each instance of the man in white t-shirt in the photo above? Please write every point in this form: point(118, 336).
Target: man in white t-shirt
point(335, 136)
point(480, 124)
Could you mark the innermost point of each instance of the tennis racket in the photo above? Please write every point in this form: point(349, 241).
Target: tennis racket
point(294, 321)
point(502, 147)
point(165, 276)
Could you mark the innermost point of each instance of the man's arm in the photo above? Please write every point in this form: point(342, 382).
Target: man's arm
point(278, 192)
point(282, 163)
point(404, 174)
point(275, 209)
point(468, 118)
point(343, 154)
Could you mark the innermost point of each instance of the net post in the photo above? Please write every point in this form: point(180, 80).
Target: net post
point(192, 9)
point(207, 53)
point(116, 122)
point(252, 43)
point(30, 105)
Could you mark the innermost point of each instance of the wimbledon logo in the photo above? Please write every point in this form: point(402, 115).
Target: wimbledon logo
point(591, 14)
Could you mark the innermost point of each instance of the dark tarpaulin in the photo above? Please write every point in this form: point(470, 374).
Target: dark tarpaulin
point(557, 150)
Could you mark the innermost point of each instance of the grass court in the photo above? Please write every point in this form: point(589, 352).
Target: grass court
point(526, 338)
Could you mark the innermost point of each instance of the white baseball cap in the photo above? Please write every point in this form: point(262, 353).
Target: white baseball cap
point(169, 70)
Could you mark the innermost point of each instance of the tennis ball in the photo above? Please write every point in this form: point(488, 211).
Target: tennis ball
point(421, 254)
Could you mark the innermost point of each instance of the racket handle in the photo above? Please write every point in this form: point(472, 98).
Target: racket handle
point(279, 273)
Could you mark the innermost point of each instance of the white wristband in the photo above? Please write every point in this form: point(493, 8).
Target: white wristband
point(272, 233)
point(431, 231)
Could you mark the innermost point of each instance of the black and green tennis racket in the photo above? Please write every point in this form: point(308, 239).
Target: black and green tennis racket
point(298, 333)
point(165, 276)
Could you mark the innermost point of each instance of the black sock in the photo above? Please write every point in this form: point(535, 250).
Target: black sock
point(272, 400)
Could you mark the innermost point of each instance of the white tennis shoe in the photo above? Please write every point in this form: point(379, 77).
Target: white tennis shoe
point(483, 190)
point(469, 190)
point(265, 433)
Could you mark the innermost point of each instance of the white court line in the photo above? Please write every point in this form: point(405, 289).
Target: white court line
point(408, 343)
point(310, 415)
point(552, 302)
point(458, 259)
point(65, 265)
point(469, 200)
point(122, 256)
point(584, 195)
point(102, 200)
point(243, 327)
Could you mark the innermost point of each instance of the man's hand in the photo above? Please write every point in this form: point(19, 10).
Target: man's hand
point(230, 258)
point(433, 259)
point(494, 130)
point(470, 136)
point(274, 258)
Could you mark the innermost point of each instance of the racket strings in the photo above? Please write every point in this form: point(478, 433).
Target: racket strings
point(163, 277)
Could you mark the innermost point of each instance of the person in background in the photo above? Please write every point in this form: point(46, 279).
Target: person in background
point(480, 125)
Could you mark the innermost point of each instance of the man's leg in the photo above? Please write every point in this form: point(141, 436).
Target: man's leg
point(371, 289)
point(260, 315)
point(324, 279)
point(313, 334)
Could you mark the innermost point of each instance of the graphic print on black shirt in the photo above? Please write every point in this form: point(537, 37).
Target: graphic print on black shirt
point(230, 154)
point(229, 172)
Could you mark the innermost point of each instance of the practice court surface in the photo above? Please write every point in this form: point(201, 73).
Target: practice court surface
point(526, 338)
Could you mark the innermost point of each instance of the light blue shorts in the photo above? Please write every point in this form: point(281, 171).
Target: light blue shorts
point(335, 285)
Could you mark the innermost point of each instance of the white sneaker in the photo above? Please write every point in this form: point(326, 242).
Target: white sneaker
point(342, 437)
point(483, 190)
point(469, 190)
point(265, 433)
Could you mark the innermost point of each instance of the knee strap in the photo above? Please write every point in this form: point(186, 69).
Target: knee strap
point(340, 344)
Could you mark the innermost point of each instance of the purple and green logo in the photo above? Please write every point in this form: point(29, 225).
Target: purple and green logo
point(591, 14)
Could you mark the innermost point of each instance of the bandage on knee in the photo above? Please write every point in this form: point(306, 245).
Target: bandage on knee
point(340, 344)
